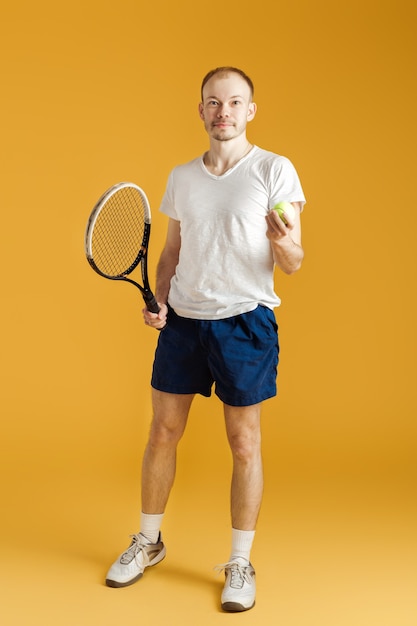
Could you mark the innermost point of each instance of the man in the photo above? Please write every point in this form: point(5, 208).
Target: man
point(216, 292)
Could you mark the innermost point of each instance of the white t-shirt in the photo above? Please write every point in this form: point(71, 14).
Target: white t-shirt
point(226, 266)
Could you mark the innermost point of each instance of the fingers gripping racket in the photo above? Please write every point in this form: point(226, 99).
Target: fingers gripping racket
point(117, 237)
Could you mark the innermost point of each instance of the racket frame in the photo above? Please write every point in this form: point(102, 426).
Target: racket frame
point(141, 258)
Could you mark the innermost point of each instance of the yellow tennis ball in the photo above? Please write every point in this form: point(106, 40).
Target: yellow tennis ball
point(285, 208)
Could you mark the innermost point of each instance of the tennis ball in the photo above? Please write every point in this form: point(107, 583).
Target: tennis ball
point(287, 208)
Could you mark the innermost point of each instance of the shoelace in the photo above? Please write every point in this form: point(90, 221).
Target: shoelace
point(133, 550)
point(239, 573)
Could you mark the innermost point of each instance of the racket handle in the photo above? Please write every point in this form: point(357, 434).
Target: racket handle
point(151, 303)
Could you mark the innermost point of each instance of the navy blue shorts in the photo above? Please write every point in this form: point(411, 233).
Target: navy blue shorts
point(238, 354)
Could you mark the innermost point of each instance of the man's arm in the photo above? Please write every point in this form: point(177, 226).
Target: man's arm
point(286, 240)
point(168, 261)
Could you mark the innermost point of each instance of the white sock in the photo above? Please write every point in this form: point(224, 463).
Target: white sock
point(150, 526)
point(242, 541)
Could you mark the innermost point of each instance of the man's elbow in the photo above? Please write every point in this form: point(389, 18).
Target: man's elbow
point(291, 267)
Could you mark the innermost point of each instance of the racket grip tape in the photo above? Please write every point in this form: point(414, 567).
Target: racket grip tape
point(151, 303)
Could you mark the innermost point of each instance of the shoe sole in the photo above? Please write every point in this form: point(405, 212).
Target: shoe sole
point(235, 607)
point(116, 584)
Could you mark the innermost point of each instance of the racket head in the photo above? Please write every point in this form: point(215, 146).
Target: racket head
point(118, 229)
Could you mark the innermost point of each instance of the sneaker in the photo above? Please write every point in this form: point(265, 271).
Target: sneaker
point(239, 588)
point(130, 565)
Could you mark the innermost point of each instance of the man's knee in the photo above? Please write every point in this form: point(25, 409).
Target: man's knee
point(245, 444)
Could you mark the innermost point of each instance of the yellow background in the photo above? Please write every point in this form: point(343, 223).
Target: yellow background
point(96, 92)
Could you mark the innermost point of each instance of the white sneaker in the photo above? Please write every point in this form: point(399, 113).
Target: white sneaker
point(240, 587)
point(130, 565)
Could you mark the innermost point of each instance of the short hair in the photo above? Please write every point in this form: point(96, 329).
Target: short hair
point(227, 70)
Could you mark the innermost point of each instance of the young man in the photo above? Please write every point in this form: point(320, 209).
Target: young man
point(216, 292)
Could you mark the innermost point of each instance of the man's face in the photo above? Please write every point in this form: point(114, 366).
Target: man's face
point(227, 106)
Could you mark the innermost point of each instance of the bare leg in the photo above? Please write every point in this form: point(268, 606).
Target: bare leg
point(159, 461)
point(244, 435)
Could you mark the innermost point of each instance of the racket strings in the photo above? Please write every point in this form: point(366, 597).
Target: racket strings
point(118, 232)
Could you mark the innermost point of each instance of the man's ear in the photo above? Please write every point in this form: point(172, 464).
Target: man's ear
point(252, 111)
point(201, 110)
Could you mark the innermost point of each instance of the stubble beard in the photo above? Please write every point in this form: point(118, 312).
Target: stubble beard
point(225, 134)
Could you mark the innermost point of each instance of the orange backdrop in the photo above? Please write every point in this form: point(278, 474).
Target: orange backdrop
point(98, 92)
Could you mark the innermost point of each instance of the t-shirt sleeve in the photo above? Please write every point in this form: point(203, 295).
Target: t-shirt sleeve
point(168, 201)
point(285, 183)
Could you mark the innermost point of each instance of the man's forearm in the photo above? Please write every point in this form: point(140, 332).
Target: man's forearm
point(165, 271)
point(288, 255)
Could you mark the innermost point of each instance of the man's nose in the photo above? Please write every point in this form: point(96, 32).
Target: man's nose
point(223, 111)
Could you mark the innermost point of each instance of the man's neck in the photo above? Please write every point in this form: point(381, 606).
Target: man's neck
point(223, 155)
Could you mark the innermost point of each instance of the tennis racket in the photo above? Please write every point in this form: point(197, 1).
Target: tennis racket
point(117, 237)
